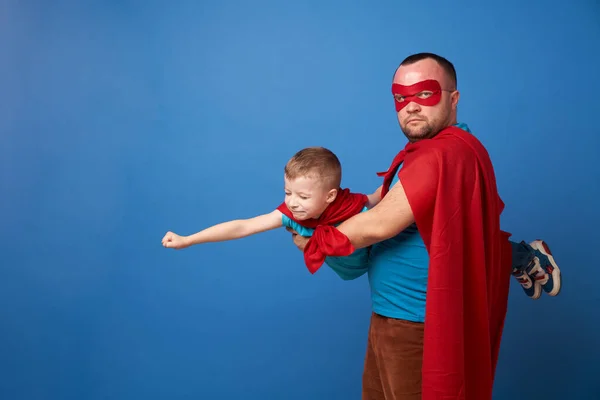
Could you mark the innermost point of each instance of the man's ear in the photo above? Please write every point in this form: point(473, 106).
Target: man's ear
point(331, 195)
point(454, 99)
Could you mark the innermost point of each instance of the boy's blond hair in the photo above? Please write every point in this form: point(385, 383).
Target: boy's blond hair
point(317, 162)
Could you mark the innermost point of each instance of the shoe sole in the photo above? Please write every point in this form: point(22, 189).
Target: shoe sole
point(556, 275)
point(537, 289)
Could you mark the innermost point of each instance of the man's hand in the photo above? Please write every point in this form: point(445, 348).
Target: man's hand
point(299, 241)
point(174, 241)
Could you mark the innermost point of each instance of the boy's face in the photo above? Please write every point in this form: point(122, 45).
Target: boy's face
point(306, 197)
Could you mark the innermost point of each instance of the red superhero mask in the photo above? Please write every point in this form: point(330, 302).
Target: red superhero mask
point(426, 93)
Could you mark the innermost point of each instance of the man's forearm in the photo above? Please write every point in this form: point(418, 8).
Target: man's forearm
point(384, 221)
point(363, 230)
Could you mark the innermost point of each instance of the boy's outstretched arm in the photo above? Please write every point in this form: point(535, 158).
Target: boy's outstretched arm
point(374, 198)
point(230, 230)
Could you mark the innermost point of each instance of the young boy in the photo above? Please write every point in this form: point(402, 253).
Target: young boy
point(313, 197)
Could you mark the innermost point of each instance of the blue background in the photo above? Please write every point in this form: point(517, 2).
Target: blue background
point(120, 120)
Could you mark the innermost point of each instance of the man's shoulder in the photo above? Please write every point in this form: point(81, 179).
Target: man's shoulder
point(452, 143)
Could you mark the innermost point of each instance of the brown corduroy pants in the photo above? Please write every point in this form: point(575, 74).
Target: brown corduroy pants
point(394, 360)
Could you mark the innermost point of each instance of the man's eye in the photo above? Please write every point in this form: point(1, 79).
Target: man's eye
point(399, 98)
point(424, 95)
point(303, 197)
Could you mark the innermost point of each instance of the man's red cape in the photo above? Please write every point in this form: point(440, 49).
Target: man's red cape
point(451, 187)
point(345, 205)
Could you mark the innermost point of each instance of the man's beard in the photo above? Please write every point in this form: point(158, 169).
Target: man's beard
point(421, 132)
point(426, 129)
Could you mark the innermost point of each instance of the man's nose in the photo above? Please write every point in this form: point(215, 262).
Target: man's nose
point(412, 107)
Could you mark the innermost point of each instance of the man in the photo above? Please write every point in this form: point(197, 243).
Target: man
point(439, 292)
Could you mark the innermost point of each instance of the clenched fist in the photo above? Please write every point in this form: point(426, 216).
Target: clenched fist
point(174, 241)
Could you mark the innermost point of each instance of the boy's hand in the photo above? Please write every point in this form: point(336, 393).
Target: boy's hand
point(174, 241)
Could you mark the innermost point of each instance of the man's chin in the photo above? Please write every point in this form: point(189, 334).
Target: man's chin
point(416, 135)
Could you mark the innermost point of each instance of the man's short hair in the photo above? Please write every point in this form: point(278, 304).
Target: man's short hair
point(444, 63)
point(317, 162)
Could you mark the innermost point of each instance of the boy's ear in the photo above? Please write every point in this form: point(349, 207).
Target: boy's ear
point(331, 195)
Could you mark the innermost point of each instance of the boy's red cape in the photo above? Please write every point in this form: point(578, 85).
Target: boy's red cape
point(345, 205)
point(451, 187)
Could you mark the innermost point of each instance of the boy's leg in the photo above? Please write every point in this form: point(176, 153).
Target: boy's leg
point(522, 260)
point(543, 255)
